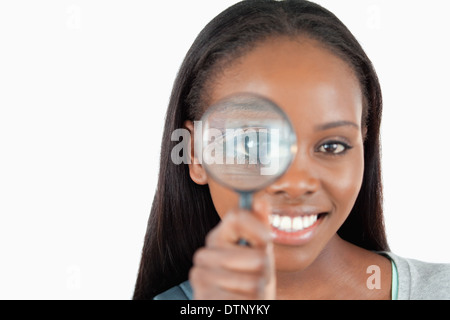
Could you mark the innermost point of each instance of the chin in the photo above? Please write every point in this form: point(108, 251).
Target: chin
point(293, 258)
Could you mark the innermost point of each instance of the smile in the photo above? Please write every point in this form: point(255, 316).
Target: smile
point(292, 224)
point(294, 229)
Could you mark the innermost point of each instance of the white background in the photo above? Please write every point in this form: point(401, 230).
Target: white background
point(84, 86)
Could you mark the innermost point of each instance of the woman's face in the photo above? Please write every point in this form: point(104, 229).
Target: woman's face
point(321, 96)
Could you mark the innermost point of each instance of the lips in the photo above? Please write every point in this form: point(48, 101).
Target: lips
point(296, 225)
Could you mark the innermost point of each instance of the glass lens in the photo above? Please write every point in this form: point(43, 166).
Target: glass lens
point(248, 142)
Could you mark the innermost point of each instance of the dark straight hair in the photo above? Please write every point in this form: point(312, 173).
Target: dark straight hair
point(182, 212)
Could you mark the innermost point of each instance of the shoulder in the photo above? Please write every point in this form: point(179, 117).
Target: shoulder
point(421, 280)
point(183, 291)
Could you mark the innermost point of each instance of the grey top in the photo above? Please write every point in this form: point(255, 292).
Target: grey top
point(417, 280)
point(183, 291)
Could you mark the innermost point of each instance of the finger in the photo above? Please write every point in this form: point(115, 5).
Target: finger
point(237, 258)
point(236, 225)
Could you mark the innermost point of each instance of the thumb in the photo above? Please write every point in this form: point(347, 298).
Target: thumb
point(262, 210)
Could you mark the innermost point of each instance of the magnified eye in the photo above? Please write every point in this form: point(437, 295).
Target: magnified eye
point(247, 147)
point(334, 147)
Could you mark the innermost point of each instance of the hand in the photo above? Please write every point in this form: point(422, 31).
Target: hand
point(223, 269)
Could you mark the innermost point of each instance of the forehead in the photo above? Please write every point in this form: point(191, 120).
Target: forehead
point(306, 80)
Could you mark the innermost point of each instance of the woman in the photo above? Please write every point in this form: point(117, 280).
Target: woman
point(300, 56)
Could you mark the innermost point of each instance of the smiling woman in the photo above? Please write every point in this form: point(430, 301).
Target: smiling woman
point(317, 231)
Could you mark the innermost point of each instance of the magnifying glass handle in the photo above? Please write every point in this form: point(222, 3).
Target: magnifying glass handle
point(245, 202)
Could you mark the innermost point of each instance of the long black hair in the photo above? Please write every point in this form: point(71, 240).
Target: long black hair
point(183, 212)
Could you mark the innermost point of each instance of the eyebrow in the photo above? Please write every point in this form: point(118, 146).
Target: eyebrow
point(330, 125)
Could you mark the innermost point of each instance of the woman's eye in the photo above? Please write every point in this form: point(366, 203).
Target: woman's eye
point(334, 147)
point(247, 149)
point(251, 147)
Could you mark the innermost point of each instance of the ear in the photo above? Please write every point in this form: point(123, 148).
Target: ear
point(196, 170)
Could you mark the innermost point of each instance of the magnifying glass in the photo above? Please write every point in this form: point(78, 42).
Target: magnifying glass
point(248, 143)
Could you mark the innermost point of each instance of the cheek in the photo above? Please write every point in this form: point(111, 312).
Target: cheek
point(223, 198)
point(344, 183)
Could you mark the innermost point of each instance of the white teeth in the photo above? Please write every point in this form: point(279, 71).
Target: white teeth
point(275, 220)
point(297, 223)
point(292, 224)
point(286, 223)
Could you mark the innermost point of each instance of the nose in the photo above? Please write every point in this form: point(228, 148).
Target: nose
point(298, 182)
